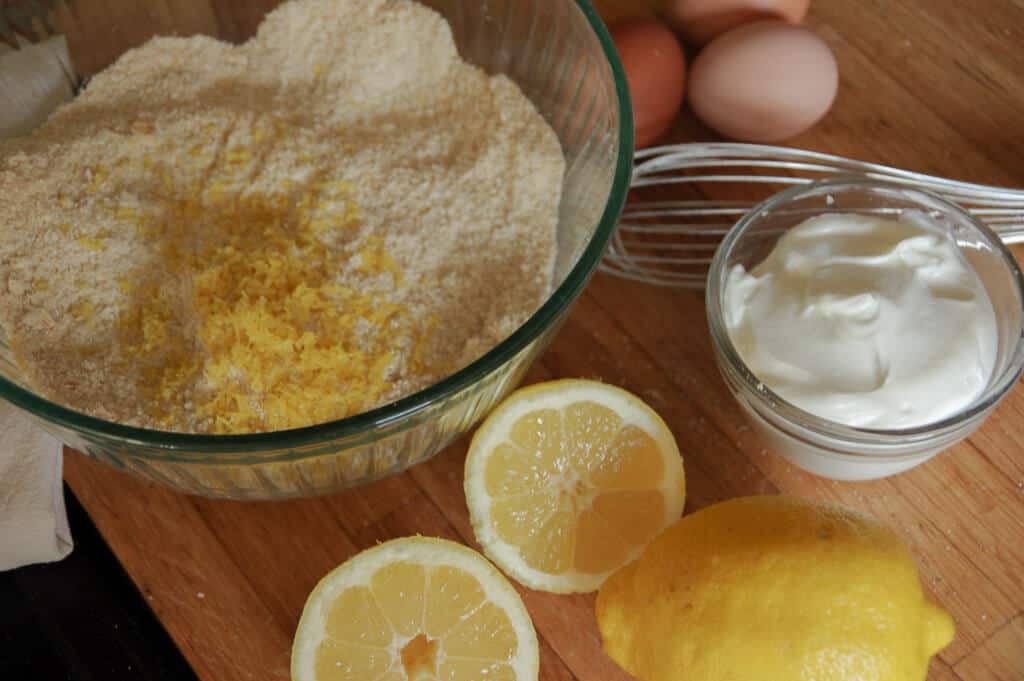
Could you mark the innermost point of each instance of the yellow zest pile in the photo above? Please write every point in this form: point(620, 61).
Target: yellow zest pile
point(259, 334)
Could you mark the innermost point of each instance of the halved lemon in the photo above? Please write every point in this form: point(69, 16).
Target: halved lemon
point(567, 481)
point(415, 609)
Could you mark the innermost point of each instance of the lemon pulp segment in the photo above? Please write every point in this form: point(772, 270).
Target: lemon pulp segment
point(568, 480)
point(415, 609)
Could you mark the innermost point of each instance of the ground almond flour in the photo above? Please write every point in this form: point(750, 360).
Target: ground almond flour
point(233, 239)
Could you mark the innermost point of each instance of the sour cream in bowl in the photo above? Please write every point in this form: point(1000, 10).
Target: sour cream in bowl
point(864, 326)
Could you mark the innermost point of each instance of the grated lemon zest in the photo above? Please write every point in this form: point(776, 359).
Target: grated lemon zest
point(91, 243)
point(271, 340)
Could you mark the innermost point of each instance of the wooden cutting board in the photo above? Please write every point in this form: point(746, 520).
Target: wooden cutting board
point(931, 85)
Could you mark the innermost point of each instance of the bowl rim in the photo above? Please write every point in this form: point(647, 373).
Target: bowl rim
point(399, 415)
point(729, 359)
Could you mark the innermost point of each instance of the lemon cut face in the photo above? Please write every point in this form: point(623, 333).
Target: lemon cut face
point(415, 609)
point(568, 480)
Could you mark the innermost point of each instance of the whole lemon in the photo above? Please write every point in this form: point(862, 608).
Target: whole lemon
point(774, 588)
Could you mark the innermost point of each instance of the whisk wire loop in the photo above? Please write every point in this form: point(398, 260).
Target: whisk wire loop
point(671, 243)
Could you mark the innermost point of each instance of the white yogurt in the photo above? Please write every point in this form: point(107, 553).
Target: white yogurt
point(866, 321)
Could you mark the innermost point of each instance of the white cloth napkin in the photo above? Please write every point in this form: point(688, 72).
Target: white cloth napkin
point(34, 80)
point(33, 522)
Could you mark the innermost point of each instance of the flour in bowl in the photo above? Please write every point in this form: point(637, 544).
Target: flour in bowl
point(217, 238)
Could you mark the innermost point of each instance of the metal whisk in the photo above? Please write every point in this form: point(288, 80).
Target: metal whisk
point(671, 243)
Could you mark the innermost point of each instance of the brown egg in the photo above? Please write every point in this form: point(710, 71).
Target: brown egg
point(656, 71)
point(701, 20)
point(763, 82)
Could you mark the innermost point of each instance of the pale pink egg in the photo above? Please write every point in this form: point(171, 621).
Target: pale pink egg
point(701, 20)
point(763, 82)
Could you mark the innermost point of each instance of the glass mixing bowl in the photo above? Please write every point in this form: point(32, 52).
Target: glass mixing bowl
point(561, 56)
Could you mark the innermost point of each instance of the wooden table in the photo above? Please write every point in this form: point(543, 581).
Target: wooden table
point(932, 85)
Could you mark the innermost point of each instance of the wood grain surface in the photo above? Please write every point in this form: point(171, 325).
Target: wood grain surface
point(929, 85)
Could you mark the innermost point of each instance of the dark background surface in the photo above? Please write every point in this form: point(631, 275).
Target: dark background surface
point(82, 619)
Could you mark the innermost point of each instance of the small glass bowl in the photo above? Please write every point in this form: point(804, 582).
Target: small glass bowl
point(831, 449)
